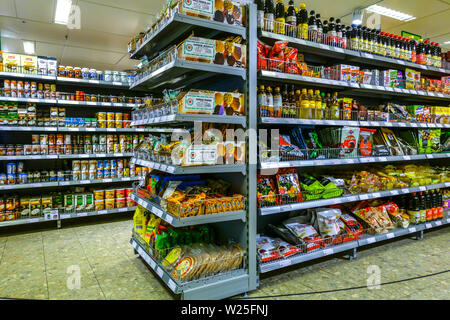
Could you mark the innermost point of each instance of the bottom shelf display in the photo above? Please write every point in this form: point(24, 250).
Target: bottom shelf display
point(340, 228)
point(186, 258)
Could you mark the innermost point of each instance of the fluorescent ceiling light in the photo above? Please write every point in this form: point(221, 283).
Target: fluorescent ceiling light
point(447, 42)
point(28, 47)
point(390, 13)
point(62, 11)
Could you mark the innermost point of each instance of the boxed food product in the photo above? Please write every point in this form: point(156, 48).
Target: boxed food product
point(46, 205)
point(35, 207)
point(52, 66)
point(227, 53)
point(29, 64)
point(69, 203)
point(42, 65)
point(229, 12)
point(211, 102)
point(24, 207)
point(11, 62)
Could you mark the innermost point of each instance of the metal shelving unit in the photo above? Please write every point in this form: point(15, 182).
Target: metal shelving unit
point(351, 246)
point(66, 129)
point(189, 73)
point(66, 156)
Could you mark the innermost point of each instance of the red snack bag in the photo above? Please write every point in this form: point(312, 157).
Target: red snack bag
point(262, 50)
point(290, 55)
point(289, 186)
point(276, 57)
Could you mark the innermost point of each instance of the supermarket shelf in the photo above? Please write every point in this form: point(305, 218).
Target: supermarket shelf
point(349, 55)
point(24, 221)
point(11, 187)
point(171, 74)
point(173, 118)
point(31, 100)
point(92, 83)
point(214, 287)
point(64, 129)
point(96, 181)
point(354, 87)
point(316, 254)
point(366, 239)
point(29, 157)
point(353, 123)
point(21, 75)
point(189, 221)
point(228, 168)
point(347, 198)
point(177, 26)
point(95, 155)
point(333, 162)
point(63, 216)
point(97, 104)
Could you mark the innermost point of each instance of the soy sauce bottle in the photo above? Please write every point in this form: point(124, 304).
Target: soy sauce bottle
point(354, 38)
point(364, 39)
point(331, 33)
point(413, 49)
point(312, 27)
point(346, 37)
point(423, 213)
point(260, 13)
point(280, 19)
point(325, 32)
point(291, 20)
point(413, 208)
point(319, 29)
point(338, 30)
point(421, 57)
point(269, 15)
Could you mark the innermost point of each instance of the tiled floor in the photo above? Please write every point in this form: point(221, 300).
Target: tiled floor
point(35, 266)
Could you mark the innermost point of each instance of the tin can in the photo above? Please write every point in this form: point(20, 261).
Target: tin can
point(100, 174)
point(120, 203)
point(52, 176)
point(102, 148)
point(106, 173)
point(76, 175)
point(35, 139)
point(19, 150)
point(3, 180)
point(110, 124)
point(113, 164)
point(67, 139)
point(107, 164)
point(84, 175)
point(67, 149)
point(120, 193)
point(76, 165)
point(110, 194)
point(92, 165)
point(102, 139)
point(51, 139)
point(62, 175)
point(99, 205)
point(119, 172)
point(110, 116)
point(128, 192)
point(99, 164)
point(35, 149)
point(43, 139)
point(92, 174)
point(95, 139)
point(130, 202)
point(109, 204)
point(84, 165)
point(110, 148)
point(126, 172)
point(113, 173)
point(11, 178)
point(44, 149)
point(11, 168)
point(20, 167)
point(88, 149)
point(99, 194)
point(117, 148)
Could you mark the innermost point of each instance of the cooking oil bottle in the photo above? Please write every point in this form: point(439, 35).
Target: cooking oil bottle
point(318, 105)
point(304, 104)
point(269, 101)
point(262, 100)
point(334, 107)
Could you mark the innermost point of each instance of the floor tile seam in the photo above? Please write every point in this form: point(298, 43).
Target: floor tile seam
point(45, 267)
point(90, 265)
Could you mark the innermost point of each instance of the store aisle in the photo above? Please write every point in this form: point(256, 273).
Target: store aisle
point(35, 266)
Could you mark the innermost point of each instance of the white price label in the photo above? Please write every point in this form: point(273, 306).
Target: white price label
point(364, 197)
point(448, 220)
point(90, 129)
point(115, 83)
point(85, 181)
point(367, 86)
point(354, 85)
point(383, 159)
point(74, 129)
point(111, 129)
point(405, 190)
point(377, 195)
point(84, 155)
point(371, 240)
point(351, 199)
point(438, 223)
point(390, 235)
point(422, 188)
point(285, 263)
point(406, 158)
point(157, 211)
point(82, 214)
point(339, 50)
point(411, 230)
point(324, 46)
point(152, 263)
point(397, 90)
point(401, 124)
point(140, 251)
point(33, 220)
point(169, 218)
point(106, 104)
point(368, 55)
point(102, 211)
point(327, 252)
point(171, 285)
point(122, 209)
point(389, 89)
point(107, 180)
point(160, 272)
point(440, 95)
point(394, 192)
point(428, 225)
point(401, 62)
point(170, 169)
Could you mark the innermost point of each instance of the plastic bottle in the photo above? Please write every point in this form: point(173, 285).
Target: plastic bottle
point(292, 102)
point(440, 204)
point(427, 52)
point(277, 103)
point(262, 101)
point(364, 45)
point(359, 36)
point(291, 20)
point(318, 105)
point(346, 37)
point(370, 40)
point(296, 106)
point(304, 104)
point(413, 46)
point(428, 206)
point(420, 55)
point(438, 56)
point(334, 109)
point(311, 105)
point(339, 36)
point(331, 32)
point(325, 32)
point(354, 38)
point(269, 101)
point(302, 22)
point(312, 27)
point(319, 28)
point(423, 212)
point(260, 13)
point(269, 16)
point(286, 105)
point(323, 107)
point(280, 18)
point(383, 44)
point(413, 209)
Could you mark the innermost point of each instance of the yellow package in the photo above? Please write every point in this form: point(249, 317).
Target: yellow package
point(139, 220)
point(151, 228)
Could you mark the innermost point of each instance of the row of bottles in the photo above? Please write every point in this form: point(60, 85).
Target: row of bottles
point(422, 206)
point(297, 23)
point(291, 103)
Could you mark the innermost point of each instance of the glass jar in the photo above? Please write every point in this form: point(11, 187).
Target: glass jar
point(108, 76)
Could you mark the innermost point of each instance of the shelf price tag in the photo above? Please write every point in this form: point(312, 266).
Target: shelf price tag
point(411, 230)
point(172, 285)
point(394, 192)
point(422, 188)
point(401, 62)
point(390, 235)
point(160, 272)
point(405, 190)
point(428, 225)
point(82, 214)
point(377, 195)
point(285, 263)
point(102, 211)
point(406, 158)
point(327, 252)
point(383, 159)
point(354, 85)
point(371, 240)
point(169, 218)
point(363, 197)
point(368, 55)
point(440, 95)
point(389, 89)
point(438, 223)
point(157, 211)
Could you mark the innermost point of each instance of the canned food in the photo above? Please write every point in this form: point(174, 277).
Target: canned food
point(109, 204)
point(99, 205)
point(67, 139)
point(76, 175)
point(101, 116)
point(35, 139)
point(110, 123)
point(11, 178)
point(27, 149)
point(110, 194)
point(44, 149)
point(120, 202)
point(84, 165)
point(107, 173)
point(120, 193)
point(3, 180)
point(99, 194)
point(52, 176)
point(92, 174)
point(99, 164)
point(20, 166)
point(92, 164)
point(23, 178)
point(119, 172)
point(11, 168)
point(63, 175)
point(107, 164)
point(113, 173)
point(130, 202)
point(84, 175)
point(19, 150)
point(102, 139)
point(110, 116)
point(35, 149)
point(113, 164)
point(100, 173)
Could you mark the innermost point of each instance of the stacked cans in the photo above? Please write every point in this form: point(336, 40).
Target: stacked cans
point(14, 174)
point(26, 89)
point(113, 198)
point(102, 169)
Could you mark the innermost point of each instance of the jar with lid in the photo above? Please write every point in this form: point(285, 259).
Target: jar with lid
point(108, 76)
point(61, 71)
point(116, 76)
point(93, 74)
point(69, 72)
point(124, 77)
point(100, 75)
point(77, 73)
point(85, 73)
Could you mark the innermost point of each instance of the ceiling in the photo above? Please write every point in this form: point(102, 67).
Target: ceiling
point(108, 25)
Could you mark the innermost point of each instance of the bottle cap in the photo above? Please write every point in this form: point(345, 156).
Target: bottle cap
point(302, 6)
